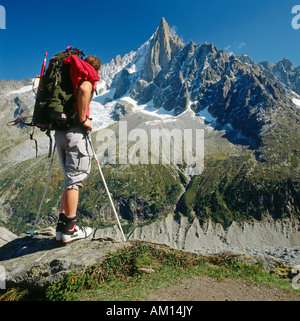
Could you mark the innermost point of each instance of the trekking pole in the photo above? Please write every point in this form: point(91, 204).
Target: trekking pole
point(32, 232)
point(106, 188)
point(42, 73)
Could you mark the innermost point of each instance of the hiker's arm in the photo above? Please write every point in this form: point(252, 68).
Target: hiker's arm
point(84, 96)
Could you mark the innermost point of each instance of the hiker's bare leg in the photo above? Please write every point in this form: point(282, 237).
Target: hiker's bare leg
point(70, 202)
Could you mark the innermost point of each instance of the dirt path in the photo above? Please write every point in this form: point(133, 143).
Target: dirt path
point(208, 289)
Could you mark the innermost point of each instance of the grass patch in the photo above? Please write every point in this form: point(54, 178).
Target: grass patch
point(131, 274)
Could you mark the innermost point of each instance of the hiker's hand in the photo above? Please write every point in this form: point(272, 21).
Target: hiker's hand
point(88, 124)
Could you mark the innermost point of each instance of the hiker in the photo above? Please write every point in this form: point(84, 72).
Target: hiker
point(73, 148)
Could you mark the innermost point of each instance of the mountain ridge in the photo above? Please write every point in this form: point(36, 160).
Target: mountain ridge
point(205, 79)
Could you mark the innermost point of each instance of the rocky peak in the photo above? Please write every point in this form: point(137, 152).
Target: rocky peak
point(246, 59)
point(287, 64)
point(284, 71)
point(164, 47)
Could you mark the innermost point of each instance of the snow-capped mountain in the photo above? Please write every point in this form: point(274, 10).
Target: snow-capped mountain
point(250, 101)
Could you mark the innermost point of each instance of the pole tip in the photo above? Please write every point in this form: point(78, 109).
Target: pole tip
point(32, 232)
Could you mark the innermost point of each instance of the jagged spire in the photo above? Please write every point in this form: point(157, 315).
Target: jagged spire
point(164, 46)
point(163, 25)
point(164, 30)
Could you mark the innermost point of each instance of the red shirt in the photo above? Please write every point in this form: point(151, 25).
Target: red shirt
point(81, 71)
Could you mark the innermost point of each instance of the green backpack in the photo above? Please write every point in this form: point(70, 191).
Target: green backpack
point(54, 106)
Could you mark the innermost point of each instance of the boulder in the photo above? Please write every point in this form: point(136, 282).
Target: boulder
point(39, 261)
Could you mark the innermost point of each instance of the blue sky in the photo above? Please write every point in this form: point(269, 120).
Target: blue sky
point(260, 28)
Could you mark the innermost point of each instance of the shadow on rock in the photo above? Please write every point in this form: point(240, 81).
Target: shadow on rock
point(27, 245)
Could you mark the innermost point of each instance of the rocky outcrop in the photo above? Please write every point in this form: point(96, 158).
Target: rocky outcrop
point(122, 108)
point(38, 261)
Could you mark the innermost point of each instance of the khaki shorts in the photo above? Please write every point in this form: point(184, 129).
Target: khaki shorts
point(75, 155)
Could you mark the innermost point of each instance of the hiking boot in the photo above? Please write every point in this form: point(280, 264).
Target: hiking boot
point(72, 231)
point(60, 226)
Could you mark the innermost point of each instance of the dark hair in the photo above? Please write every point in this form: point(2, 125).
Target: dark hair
point(94, 61)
